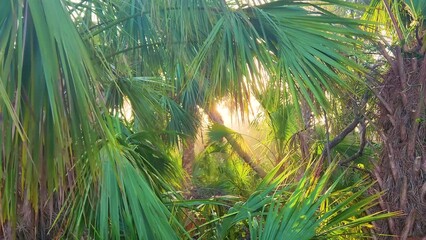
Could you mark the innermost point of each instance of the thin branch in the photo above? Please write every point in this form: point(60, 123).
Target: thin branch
point(381, 99)
point(391, 61)
point(361, 147)
point(394, 21)
point(339, 138)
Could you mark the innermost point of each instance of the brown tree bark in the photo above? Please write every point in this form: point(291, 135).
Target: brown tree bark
point(188, 150)
point(215, 117)
point(402, 168)
point(306, 136)
point(188, 156)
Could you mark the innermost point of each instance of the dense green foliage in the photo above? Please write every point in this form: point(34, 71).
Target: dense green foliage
point(99, 98)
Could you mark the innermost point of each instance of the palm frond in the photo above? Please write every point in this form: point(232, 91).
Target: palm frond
point(310, 209)
point(47, 102)
point(303, 47)
point(58, 142)
point(121, 203)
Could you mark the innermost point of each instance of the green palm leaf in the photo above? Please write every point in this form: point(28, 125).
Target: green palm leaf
point(310, 209)
point(122, 203)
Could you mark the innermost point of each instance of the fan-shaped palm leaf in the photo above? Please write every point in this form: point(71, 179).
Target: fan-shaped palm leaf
point(310, 209)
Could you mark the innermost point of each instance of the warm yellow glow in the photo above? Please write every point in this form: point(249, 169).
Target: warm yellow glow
point(127, 109)
point(233, 119)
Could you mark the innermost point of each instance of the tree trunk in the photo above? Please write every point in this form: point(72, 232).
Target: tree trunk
point(402, 168)
point(188, 156)
point(188, 151)
point(306, 136)
point(214, 115)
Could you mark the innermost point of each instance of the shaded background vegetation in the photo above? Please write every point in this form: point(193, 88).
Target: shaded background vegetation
point(102, 103)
